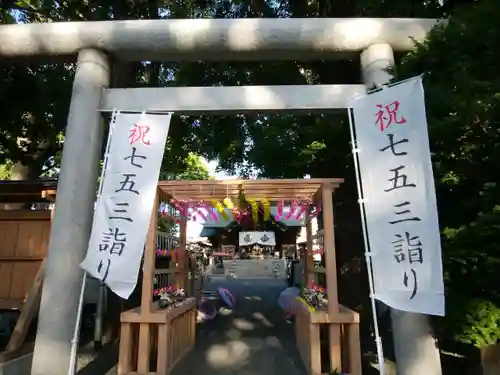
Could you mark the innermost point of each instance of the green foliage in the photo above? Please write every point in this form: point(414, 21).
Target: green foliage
point(166, 226)
point(33, 112)
point(226, 137)
point(481, 324)
point(194, 169)
point(5, 170)
point(463, 108)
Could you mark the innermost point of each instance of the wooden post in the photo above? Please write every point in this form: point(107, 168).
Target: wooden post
point(331, 274)
point(329, 250)
point(308, 261)
point(183, 260)
point(29, 310)
point(148, 269)
point(147, 291)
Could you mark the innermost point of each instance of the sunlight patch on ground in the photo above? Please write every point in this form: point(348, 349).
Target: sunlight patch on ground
point(225, 312)
point(231, 354)
point(234, 334)
point(253, 298)
point(262, 318)
point(243, 324)
point(273, 342)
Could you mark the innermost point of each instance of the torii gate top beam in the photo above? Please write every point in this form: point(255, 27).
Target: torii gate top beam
point(213, 39)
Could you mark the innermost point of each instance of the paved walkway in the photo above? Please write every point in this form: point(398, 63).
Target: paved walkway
point(254, 340)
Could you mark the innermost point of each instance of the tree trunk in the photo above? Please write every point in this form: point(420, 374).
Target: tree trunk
point(490, 359)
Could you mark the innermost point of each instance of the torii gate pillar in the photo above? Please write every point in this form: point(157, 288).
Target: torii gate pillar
point(73, 215)
point(409, 330)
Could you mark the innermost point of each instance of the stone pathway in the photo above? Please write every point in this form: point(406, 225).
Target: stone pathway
point(254, 340)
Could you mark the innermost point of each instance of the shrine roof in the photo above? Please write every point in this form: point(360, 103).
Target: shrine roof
point(27, 191)
point(273, 190)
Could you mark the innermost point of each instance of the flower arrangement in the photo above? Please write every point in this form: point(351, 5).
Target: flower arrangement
point(335, 372)
point(162, 252)
point(316, 296)
point(169, 295)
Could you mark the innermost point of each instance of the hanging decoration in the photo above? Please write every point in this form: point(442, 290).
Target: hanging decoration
point(279, 210)
point(190, 210)
point(255, 210)
point(165, 212)
point(241, 210)
point(303, 208)
point(241, 203)
point(266, 205)
point(228, 203)
point(210, 211)
point(162, 252)
point(240, 215)
point(236, 215)
point(181, 207)
point(292, 209)
point(162, 209)
point(220, 208)
point(301, 211)
point(198, 210)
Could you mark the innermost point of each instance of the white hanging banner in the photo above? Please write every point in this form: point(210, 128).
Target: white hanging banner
point(399, 198)
point(261, 238)
point(123, 212)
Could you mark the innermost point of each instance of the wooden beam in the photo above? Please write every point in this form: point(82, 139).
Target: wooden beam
point(235, 190)
point(50, 195)
point(272, 196)
point(308, 259)
point(329, 250)
point(149, 261)
point(232, 99)
point(183, 280)
point(9, 356)
point(256, 189)
point(262, 181)
point(28, 312)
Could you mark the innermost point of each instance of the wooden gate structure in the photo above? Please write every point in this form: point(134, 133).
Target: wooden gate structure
point(164, 336)
point(24, 239)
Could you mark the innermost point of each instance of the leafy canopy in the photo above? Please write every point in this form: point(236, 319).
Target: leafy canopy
point(461, 63)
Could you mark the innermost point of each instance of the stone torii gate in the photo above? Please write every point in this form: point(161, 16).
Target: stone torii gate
point(173, 40)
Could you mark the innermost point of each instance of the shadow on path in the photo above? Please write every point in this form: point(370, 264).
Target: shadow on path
point(253, 340)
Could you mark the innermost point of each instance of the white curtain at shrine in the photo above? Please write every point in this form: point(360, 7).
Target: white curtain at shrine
point(261, 238)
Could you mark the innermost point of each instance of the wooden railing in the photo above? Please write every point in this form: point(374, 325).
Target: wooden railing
point(166, 241)
point(343, 352)
point(328, 339)
point(191, 278)
point(153, 343)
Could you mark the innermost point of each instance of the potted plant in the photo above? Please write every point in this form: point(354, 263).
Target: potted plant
point(170, 295)
point(316, 296)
